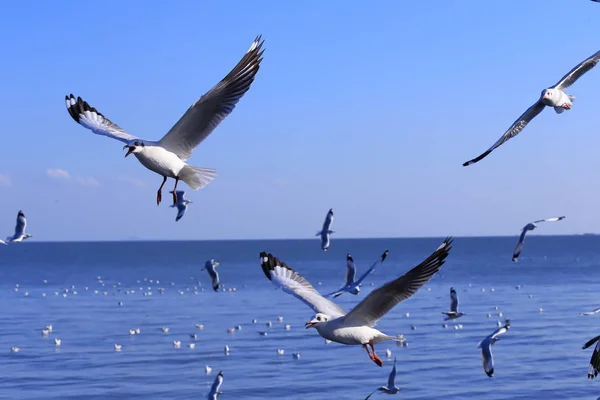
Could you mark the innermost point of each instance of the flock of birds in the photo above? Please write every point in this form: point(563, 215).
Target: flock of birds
point(167, 157)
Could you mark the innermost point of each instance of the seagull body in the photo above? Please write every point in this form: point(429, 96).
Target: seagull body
point(357, 326)
point(391, 387)
point(326, 231)
point(211, 267)
point(20, 234)
point(167, 156)
point(596, 311)
point(181, 205)
point(486, 348)
point(594, 366)
point(353, 286)
point(216, 387)
point(529, 227)
point(552, 97)
point(453, 313)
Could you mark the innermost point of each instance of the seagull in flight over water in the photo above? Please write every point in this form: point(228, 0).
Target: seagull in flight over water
point(529, 227)
point(326, 231)
point(351, 285)
point(552, 97)
point(181, 205)
point(357, 326)
point(167, 156)
point(20, 234)
point(596, 311)
point(453, 313)
point(216, 387)
point(391, 387)
point(486, 348)
point(211, 267)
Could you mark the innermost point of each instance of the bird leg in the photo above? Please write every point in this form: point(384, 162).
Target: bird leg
point(175, 191)
point(375, 357)
point(159, 193)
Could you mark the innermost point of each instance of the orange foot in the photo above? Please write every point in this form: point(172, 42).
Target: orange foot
point(567, 106)
point(377, 360)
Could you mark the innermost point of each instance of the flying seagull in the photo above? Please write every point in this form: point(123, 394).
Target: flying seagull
point(552, 97)
point(453, 313)
point(211, 267)
point(216, 386)
point(529, 227)
point(391, 387)
point(181, 204)
point(167, 156)
point(594, 367)
point(351, 285)
point(326, 231)
point(20, 234)
point(486, 348)
point(356, 326)
point(596, 311)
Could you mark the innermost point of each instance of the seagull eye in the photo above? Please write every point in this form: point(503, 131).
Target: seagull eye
point(136, 143)
point(143, 145)
point(318, 318)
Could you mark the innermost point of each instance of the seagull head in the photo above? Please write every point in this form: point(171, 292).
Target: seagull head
point(134, 146)
point(317, 319)
point(355, 290)
point(548, 96)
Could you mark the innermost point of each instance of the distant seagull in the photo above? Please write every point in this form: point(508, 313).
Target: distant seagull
point(529, 227)
point(596, 311)
point(216, 387)
point(211, 267)
point(356, 326)
point(326, 231)
point(453, 313)
point(181, 204)
point(20, 234)
point(166, 157)
point(594, 367)
point(552, 97)
point(118, 347)
point(57, 342)
point(486, 348)
point(15, 349)
point(391, 387)
point(351, 285)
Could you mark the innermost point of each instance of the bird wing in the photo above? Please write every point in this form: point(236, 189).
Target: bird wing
point(350, 270)
point(597, 310)
point(488, 358)
point(214, 275)
point(513, 131)
point(180, 211)
point(392, 376)
point(375, 265)
point(591, 342)
point(293, 283)
point(216, 386)
point(519, 246)
point(327, 222)
point(453, 301)
point(21, 225)
point(594, 366)
point(553, 219)
point(382, 300)
point(214, 106)
point(91, 119)
point(578, 71)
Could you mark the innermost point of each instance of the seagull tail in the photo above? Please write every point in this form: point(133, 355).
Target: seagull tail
point(196, 177)
point(572, 98)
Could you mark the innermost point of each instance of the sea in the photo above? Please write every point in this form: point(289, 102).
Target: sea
point(93, 293)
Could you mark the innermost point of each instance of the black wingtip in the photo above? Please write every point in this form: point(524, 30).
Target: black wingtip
point(20, 214)
point(490, 373)
point(384, 255)
point(349, 257)
point(266, 262)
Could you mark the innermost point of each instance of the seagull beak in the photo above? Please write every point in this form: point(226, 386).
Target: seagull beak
point(310, 324)
point(131, 148)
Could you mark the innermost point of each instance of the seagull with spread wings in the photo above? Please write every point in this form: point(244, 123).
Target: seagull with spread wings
point(552, 97)
point(167, 156)
point(351, 285)
point(20, 234)
point(529, 227)
point(357, 326)
point(453, 313)
point(486, 348)
point(211, 267)
point(181, 204)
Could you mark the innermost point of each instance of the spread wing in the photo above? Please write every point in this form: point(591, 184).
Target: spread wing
point(597, 310)
point(513, 131)
point(392, 376)
point(90, 118)
point(328, 221)
point(214, 275)
point(214, 106)
point(453, 301)
point(594, 366)
point(487, 358)
point(350, 270)
point(519, 246)
point(21, 225)
point(578, 71)
point(382, 300)
point(553, 219)
point(375, 265)
point(293, 283)
point(216, 386)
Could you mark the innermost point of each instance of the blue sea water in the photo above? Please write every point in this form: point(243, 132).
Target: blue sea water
point(539, 358)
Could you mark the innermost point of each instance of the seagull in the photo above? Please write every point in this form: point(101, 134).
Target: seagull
point(594, 367)
point(486, 348)
point(351, 285)
point(553, 97)
point(211, 267)
point(325, 231)
point(57, 342)
point(391, 387)
point(453, 313)
point(181, 204)
point(20, 234)
point(356, 326)
point(596, 311)
point(167, 156)
point(118, 347)
point(3, 242)
point(216, 386)
point(529, 227)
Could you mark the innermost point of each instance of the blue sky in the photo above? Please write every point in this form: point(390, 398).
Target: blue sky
point(366, 107)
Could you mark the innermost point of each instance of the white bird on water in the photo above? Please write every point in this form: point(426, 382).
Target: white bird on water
point(353, 286)
point(356, 326)
point(211, 267)
point(20, 234)
point(181, 205)
point(552, 97)
point(529, 227)
point(486, 348)
point(453, 313)
point(594, 366)
point(215, 390)
point(167, 156)
point(326, 230)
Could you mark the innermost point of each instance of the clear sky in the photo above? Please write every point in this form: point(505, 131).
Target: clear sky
point(366, 107)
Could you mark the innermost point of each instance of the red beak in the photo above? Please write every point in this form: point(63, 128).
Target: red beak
point(310, 324)
point(131, 148)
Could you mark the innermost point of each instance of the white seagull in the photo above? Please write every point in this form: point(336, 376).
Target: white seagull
point(351, 285)
point(211, 267)
point(552, 97)
point(20, 234)
point(453, 313)
point(594, 367)
point(216, 387)
point(356, 326)
point(391, 387)
point(181, 204)
point(596, 311)
point(326, 231)
point(529, 227)
point(486, 348)
point(167, 156)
